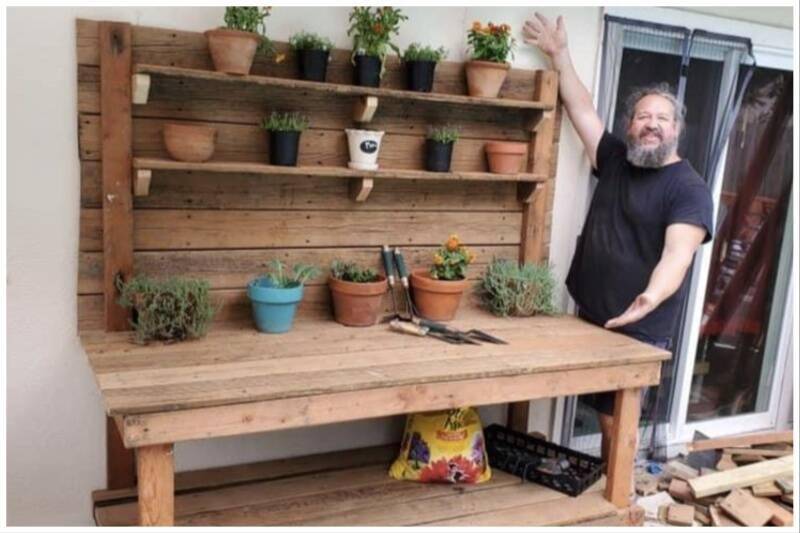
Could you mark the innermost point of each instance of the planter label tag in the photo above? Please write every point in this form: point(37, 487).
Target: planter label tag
point(368, 147)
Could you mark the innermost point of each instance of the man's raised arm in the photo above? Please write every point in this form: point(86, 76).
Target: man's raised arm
point(552, 40)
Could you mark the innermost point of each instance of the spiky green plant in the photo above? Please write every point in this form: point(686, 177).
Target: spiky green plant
point(418, 52)
point(443, 134)
point(278, 121)
point(282, 277)
point(250, 19)
point(171, 310)
point(310, 41)
point(510, 289)
point(353, 272)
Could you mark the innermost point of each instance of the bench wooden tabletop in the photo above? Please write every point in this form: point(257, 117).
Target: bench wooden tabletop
point(238, 364)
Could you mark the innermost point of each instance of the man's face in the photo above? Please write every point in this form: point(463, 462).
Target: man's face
point(652, 133)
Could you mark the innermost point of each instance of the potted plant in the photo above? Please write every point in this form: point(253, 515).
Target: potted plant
point(313, 54)
point(510, 289)
point(234, 46)
point(357, 294)
point(439, 148)
point(364, 146)
point(437, 291)
point(189, 142)
point(505, 157)
point(275, 295)
point(491, 46)
point(372, 29)
point(420, 62)
point(284, 137)
point(174, 309)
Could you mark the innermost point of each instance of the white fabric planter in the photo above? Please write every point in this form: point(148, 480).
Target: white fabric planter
point(364, 147)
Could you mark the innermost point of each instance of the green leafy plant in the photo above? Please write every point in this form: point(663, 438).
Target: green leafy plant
point(171, 310)
point(443, 134)
point(417, 52)
point(451, 260)
point(372, 30)
point(352, 272)
point(310, 41)
point(510, 289)
point(278, 121)
point(281, 276)
point(491, 43)
point(250, 19)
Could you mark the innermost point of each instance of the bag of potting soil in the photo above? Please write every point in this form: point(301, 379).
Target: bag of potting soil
point(443, 447)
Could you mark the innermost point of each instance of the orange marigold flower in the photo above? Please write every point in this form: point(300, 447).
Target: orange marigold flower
point(506, 27)
point(438, 260)
point(377, 27)
point(476, 26)
point(452, 243)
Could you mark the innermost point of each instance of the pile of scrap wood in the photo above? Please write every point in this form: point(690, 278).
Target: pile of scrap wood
point(734, 481)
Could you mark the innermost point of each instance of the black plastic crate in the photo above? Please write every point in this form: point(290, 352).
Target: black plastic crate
point(522, 455)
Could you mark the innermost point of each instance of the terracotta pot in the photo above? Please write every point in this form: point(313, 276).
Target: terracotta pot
point(505, 157)
point(232, 51)
point(436, 299)
point(485, 78)
point(357, 304)
point(189, 142)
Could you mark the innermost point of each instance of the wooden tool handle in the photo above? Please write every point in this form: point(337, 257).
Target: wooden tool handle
point(408, 327)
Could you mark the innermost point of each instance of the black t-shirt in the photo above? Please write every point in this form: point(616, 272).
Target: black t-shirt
point(624, 233)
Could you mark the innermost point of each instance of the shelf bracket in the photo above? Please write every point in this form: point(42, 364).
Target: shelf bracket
point(140, 88)
point(364, 108)
point(360, 188)
point(526, 190)
point(141, 182)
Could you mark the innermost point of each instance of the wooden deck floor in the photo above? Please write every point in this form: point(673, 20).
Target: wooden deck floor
point(352, 488)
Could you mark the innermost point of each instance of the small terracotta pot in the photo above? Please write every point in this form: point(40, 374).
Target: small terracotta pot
point(232, 51)
point(505, 157)
point(436, 299)
point(485, 78)
point(357, 304)
point(185, 142)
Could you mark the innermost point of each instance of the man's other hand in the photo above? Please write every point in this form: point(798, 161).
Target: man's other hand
point(550, 38)
point(640, 308)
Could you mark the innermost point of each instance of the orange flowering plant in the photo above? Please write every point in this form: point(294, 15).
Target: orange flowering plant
point(451, 260)
point(372, 30)
point(491, 43)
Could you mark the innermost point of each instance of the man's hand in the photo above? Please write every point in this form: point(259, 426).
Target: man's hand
point(550, 38)
point(640, 308)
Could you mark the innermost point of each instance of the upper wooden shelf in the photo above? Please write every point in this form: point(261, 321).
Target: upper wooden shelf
point(331, 88)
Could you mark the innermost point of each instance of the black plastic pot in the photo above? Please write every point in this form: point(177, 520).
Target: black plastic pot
point(419, 75)
point(312, 65)
point(438, 155)
point(367, 71)
point(283, 148)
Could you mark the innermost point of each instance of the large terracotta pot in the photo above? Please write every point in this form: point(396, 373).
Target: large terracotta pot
point(485, 78)
point(506, 157)
point(232, 51)
point(357, 304)
point(436, 299)
point(189, 142)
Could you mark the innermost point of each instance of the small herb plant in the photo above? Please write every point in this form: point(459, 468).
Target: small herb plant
point(279, 121)
point(491, 43)
point(282, 277)
point(310, 41)
point(510, 289)
point(443, 134)
point(372, 30)
point(451, 260)
point(352, 272)
point(171, 310)
point(417, 52)
point(250, 19)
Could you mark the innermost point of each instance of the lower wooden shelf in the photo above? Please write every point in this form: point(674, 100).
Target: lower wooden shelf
point(352, 488)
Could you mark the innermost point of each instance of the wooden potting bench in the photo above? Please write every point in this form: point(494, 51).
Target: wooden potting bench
point(223, 220)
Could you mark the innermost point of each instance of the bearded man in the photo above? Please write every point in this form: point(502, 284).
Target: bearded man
point(649, 214)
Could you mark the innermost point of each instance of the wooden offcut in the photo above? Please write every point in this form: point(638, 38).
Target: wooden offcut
point(746, 509)
point(680, 515)
point(740, 440)
point(744, 476)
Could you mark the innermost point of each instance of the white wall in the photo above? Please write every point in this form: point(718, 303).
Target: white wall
point(56, 427)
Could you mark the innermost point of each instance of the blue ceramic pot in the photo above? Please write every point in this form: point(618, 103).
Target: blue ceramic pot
point(273, 307)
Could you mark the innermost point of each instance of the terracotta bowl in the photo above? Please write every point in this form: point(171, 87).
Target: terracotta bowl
point(190, 143)
point(485, 78)
point(232, 51)
point(506, 157)
point(436, 299)
point(357, 304)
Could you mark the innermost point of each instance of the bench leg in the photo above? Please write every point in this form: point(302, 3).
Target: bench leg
point(623, 447)
point(156, 475)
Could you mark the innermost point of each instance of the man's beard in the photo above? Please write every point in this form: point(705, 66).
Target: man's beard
point(642, 156)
